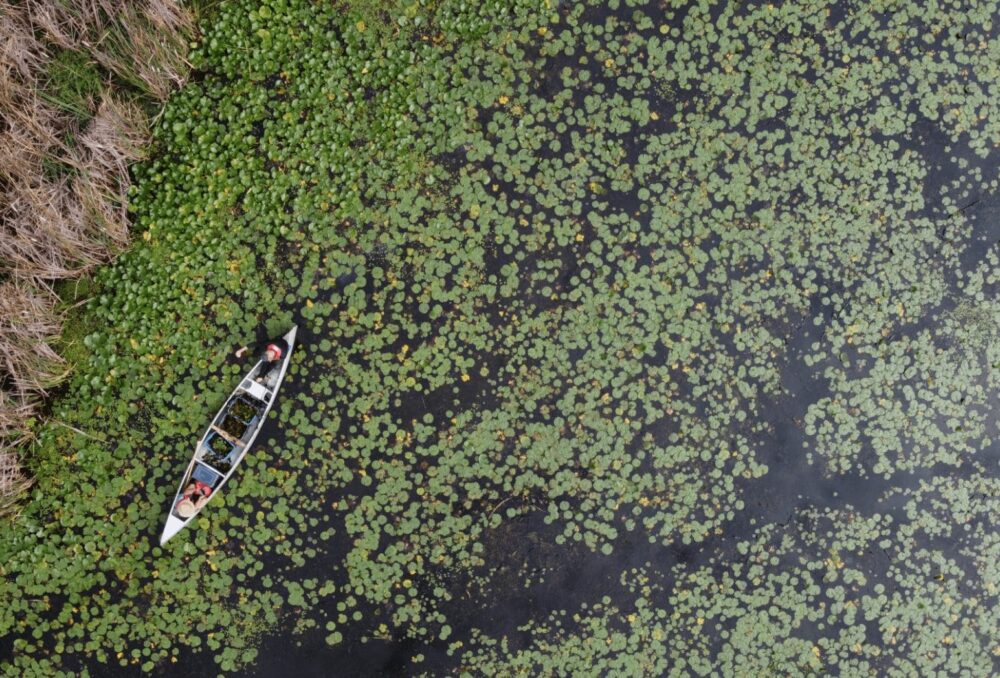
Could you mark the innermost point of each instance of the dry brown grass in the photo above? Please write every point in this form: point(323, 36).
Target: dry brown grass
point(143, 43)
point(13, 482)
point(15, 410)
point(63, 189)
point(60, 226)
point(29, 322)
point(29, 366)
point(114, 139)
point(62, 207)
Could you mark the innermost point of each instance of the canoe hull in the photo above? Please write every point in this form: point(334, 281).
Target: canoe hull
point(220, 450)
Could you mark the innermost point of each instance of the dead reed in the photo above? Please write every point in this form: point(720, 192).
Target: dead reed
point(143, 43)
point(29, 322)
point(64, 173)
point(13, 482)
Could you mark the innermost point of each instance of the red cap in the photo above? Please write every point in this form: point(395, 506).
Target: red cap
point(274, 347)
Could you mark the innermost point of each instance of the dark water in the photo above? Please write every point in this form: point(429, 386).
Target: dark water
point(567, 576)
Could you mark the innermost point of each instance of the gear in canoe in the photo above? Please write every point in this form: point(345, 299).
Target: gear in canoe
point(231, 433)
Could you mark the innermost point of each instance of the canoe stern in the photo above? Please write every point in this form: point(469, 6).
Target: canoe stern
point(173, 526)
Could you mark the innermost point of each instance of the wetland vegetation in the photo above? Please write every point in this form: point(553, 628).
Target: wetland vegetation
point(641, 338)
point(77, 81)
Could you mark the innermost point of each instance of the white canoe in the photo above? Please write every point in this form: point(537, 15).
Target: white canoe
point(230, 435)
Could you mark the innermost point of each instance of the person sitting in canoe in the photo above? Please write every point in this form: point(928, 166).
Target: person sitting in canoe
point(270, 352)
point(194, 497)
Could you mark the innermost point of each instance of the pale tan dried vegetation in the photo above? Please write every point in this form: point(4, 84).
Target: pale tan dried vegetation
point(13, 482)
point(63, 207)
point(29, 323)
point(144, 43)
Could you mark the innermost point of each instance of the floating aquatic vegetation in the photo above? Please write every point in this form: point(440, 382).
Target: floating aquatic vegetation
point(831, 591)
point(918, 396)
point(552, 267)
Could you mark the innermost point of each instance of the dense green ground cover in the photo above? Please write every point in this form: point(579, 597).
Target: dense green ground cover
point(553, 267)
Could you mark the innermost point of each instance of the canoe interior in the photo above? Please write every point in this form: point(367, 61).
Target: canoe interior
point(230, 435)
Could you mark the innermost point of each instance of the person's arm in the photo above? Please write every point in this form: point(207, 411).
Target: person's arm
point(253, 348)
point(202, 500)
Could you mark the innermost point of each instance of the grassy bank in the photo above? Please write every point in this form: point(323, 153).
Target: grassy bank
point(78, 83)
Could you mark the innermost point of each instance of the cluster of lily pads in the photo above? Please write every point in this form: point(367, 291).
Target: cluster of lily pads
point(919, 399)
point(552, 267)
point(912, 592)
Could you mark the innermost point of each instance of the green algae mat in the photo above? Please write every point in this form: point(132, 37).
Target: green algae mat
point(635, 339)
